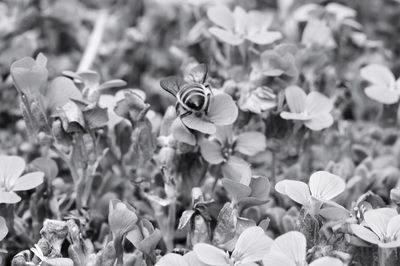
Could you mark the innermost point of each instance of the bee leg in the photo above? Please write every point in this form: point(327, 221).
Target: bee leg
point(186, 114)
point(177, 108)
point(208, 104)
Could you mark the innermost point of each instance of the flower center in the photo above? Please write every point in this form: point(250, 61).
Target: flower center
point(226, 152)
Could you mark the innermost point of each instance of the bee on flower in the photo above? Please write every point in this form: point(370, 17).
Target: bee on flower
point(199, 107)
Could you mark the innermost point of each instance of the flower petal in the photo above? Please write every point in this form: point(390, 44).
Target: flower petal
point(181, 133)
point(326, 186)
point(296, 99)
point(221, 16)
point(317, 103)
point(319, 122)
point(364, 233)
point(226, 36)
point(211, 151)
point(382, 94)
point(237, 169)
point(294, 116)
point(172, 259)
point(393, 228)
point(296, 190)
point(199, 124)
point(324, 261)
point(192, 259)
point(223, 110)
point(263, 38)
point(292, 244)
point(11, 168)
point(250, 143)
point(378, 75)
point(278, 259)
point(9, 197)
point(378, 220)
point(211, 255)
point(251, 245)
point(28, 181)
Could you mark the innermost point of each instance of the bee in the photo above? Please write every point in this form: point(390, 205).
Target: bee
point(193, 94)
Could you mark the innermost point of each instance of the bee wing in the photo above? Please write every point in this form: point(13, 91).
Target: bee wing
point(171, 84)
point(198, 73)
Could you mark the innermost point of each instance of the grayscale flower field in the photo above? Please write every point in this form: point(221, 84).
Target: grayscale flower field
point(199, 133)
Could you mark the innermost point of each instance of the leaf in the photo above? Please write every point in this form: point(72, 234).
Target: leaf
point(60, 92)
point(148, 245)
point(47, 166)
point(115, 83)
point(96, 117)
point(185, 218)
point(121, 218)
point(236, 189)
point(226, 225)
point(72, 117)
point(29, 76)
point(3, 228)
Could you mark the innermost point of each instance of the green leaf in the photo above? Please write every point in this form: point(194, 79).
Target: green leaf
point(3, 228)
point(96, 117)
point(60, 92)
point(72, 117)
point(185, 218)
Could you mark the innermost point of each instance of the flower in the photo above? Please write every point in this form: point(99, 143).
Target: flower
point(221, 149)
point(237, 26)
point(384, 87)
point(289, 249)
point(312, 109)
point(11, 168)
point(250, 247)
point(30, 75)
point(322, 187)
point(200, 108)
point(189, 259)
point(380, 227)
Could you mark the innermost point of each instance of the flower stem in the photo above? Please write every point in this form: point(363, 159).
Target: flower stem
point(388, 256)
point(94, 41)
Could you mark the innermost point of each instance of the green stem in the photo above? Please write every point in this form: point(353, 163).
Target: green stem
point(388, 256)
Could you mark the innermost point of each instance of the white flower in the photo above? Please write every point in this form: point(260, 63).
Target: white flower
point(384, 87)
point(380, 227)
point(289, 249)
point(322, 187)
point(250, 247)
point(312, 109)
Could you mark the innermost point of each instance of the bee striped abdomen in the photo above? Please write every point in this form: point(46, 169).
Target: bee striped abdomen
point(194, 97)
